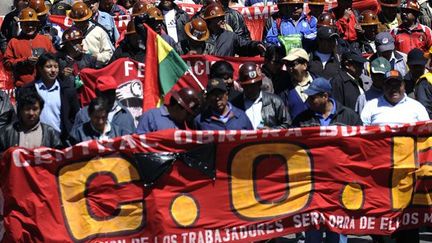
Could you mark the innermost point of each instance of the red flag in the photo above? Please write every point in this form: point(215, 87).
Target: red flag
point(151, 83)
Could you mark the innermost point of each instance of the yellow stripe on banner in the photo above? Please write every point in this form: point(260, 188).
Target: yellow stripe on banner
point(163, 48)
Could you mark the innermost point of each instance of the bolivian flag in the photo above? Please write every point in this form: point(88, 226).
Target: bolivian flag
point(163, 67)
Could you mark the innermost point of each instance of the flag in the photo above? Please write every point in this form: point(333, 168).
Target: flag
point(163, 67)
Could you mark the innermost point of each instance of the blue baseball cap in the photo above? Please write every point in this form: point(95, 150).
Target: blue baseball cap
point(318, 85)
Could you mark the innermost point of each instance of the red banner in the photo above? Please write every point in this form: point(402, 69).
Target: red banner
point(130, 77)
point(266, 183)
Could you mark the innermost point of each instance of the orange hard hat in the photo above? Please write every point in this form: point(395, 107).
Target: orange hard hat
point(71, 34)
point(80, 12)
point(250, 73)
point(368, 17)
point(155, 13)
point(140, 8)
point(213, 10)
point(28, 15)
point(39, 6)
point(197, 30)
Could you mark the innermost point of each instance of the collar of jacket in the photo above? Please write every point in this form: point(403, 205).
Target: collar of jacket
point(417, 28)
point(346, 77)
point(333, 57)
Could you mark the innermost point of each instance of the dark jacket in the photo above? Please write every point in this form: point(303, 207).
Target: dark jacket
point(86, 61)
point(330, 70)
point(10, 136)
point(423, 94)
point(181, 18)
point(274, 112)
point(226, 43)
point(7, 112)
point(126, 50)
point(343, 117)
point(278, 80)
point(345, 89)
point(237, 121)
point(123, 118)
point(9, 27)
point(85, 132)
point(235, 19)
point(69, 107)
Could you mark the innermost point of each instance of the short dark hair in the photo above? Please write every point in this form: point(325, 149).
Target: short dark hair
point(221, 68)
point(274, 51)
point(97, 104)
point(28, 96)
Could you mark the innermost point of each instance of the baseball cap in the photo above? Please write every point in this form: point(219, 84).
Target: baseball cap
point(384, 41)
point(326, 33)
point(380, 65)
point(104, 83)
point(216, 83)
point(318, 85)
point(295, 54)
point(354, 57)
point(393, 75)
point(416, 57)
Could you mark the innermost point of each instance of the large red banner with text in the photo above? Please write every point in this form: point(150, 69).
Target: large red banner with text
point(220, 186)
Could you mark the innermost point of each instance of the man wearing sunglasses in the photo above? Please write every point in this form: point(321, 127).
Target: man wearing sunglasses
point(296, 64)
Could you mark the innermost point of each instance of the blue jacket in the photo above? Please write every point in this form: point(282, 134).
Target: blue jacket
point(85, 132)
point(237, 121)
point(279, 25)
point(155, 120)
point(122, 118)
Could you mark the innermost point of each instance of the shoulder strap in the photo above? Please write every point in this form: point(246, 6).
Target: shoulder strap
point(427, 76)
point(111, 36)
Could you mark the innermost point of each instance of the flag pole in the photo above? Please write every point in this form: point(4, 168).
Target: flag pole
point(196, 79)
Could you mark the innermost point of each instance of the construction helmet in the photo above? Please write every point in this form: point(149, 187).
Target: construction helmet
point(188, 99)
point(28, 15)
point(250, 73)
point(80, 12)
point(368, 17)
point(213, 10)
point(327, 20)
point(197, 30)
point(71, 34)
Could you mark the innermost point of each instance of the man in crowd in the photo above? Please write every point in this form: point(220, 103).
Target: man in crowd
point(235, 20)
point(294, 97)
point(423, 86)
point(388, 16)
point(131, 46)
point(28, 131)
point(224, 70)
point(272, 69)
point(316, 8)
point(225, 43)
point(118, 114)
point(379, 67)
point(72, 57)
point(385, 46)
point(103, 20)
point(46, 27)
point(9, 27)
point(220, 114)
point(175, 19)
point(347, 85)
point(416, 63)
point(411, 34)
point(323, 110)
point(290, 26)
point(324, 61)
point(197, 34)
point(264, 110)
point(394, 106)
point(22, 52)
point(178, 114)
point(346, 20)
point(365, 43)
point(96, 40)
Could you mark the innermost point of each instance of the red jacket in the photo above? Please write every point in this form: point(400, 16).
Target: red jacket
point(345, 26)
point(406, 39)
point(17, 52)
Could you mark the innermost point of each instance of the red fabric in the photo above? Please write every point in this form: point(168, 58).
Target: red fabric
point(151, 84)
point(346, 28)
point(406, 40)
point(294, 174)
point(18, 50)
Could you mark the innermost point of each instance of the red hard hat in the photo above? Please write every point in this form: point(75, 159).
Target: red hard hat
point(188, 99)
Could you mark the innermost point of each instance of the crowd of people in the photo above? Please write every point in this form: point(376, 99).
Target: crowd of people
point(333, 67)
